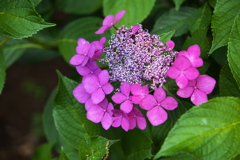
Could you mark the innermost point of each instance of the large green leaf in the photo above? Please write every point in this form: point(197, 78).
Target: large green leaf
point(166, 36)
point(180, 21)
point(222, 21)
point(136, 10)
point(81, 28)
point(227, 84)
point(234, 50)
point(2, 70)
point(70, 116)
point(18, 19)
point(208, 131)
point(79, 6)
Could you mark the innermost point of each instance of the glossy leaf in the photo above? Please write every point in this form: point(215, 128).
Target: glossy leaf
point(136, 10)
point(208, 131)
point(18, 19)
point(81, 28)
point(222, 21)
point(2, 70)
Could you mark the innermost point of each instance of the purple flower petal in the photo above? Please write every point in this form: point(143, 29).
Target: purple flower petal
point(108, 20)
point(135, 28)
point(119, 16)
point(126, 106)
point(198, 97)
point(107, 88)
point(170, 44)
point(103, 77)
point(88, 104)
point(185, 92)
point(206, 83)
point(157, 116)
point(191, 73)
point(110, 108)
point(117, 121)
point(142, 123)
point(80, 94)
point(91, 83)
point(77, 59)
point(97, 96)
point(139, 92)
point(169, 103)
point(173, 72)
point(83, 70)
point(95, 113)
point(125, 88)
point(182, 63)
point(148, 102)
point(102, 29)
point(118, 98)
point(194, 51)
point(159, 94)
point(125, 123)
point(106, 121)
point(83, 46)
point(132, 122)
point(181, 81)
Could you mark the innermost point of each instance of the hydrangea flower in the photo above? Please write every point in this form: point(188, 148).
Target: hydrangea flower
point(99, 48)
point(198, 89)
point(109, 21)
point(90, 68)
point(136, 118)
point(139, 92)
point(120, 119)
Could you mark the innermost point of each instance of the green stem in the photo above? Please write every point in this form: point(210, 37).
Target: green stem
point(4, 41)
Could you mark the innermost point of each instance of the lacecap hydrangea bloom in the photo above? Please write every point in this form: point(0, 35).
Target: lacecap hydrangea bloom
point(138, 67)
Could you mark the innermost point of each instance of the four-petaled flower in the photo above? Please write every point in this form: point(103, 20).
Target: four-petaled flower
point(136, 118)
point(120, 119)
point(89, 69)
point(139, 92)
point(198, 89)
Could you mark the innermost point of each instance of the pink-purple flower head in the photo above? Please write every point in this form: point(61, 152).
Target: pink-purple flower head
point(109, 21)
point(98, 86)
point(154, 105)
point(183, 71)
point(198, 89)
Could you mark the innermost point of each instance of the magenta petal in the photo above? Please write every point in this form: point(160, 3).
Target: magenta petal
point(132, 122)
point(91, 50)
point(183, 53)
point(108, 20)
point(88, 104)
point(110, 109)
point(85, 61)
point(118, 98)
point(91, 83)
point(80, 94)
point(182, 63)
point(181, 81)
point(191, 73)
point(206, 83)
point(194, 51)
point(125, 123)
point(157, 116)
point(117, 121)
point(107, 88)
point(198, 97)
point(97, 96)
point(137, 99)
point(102, 30)
point(119, 16)
point(148, 102)
point(106, 121)
point(126, 106)
point(136, 89)
point(169, 103)
point(173, 72)
point(185, 92)
point(170, 44)
point(142, 123)
point(95, 113)
point(83, 46)
point(125, 88)
point(83, 70)
point(160, 94)
point(103, 77)
point(77, 59)
point(135, 29)
point(197, 62)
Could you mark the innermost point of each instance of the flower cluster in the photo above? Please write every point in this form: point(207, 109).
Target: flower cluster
point(138, 65)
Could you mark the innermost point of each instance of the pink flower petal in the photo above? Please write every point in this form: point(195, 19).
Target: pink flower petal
point(137, 99)
point(110, 109)
point(191, 73)
point(83, 46)
point(108, 20)
point(77, 59)
point(183, 53)
point(107, 88)
point(132, 122)
point(142, 123)
point(160, 94)
point(169, 103)
point(95, 113)
point(80, 94)
point(119, 16)
point(83, 70)
point(125, 88)
point(148, 102)
point(103, 77)
point(106, 121)
point(97, 96)
point(181, 81)
point(135, 29)
point(91, 83)
point(157, 116)
point(170, 44)
point(182, 63)
point(118, 98)
point(126, 106)
point(125, 123)
point(185, 92)
point(85, 61)
point(117, 121)
point(88, 104)
point(206, 83)
point(173, 72)
point(198, 97)
point(194, 51)
point(91, 50)
point(102, 29)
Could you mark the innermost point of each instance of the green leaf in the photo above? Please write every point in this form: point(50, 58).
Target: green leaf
point(63, 155)
point(18, 19)
point(43, 152)
point(227, 84)
point(80, 6)
point(136, 145)
point(179, 157)
point(180, 21)
point(2, 70)
point(208, 131)
point(198, 37)
point(95, 148)
point(222, 21)
point(81, 28)
point(204, 19)
point(70, 116)
point(178, 3)
point(136, 10)
point(234, 50)
point(166, 36)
